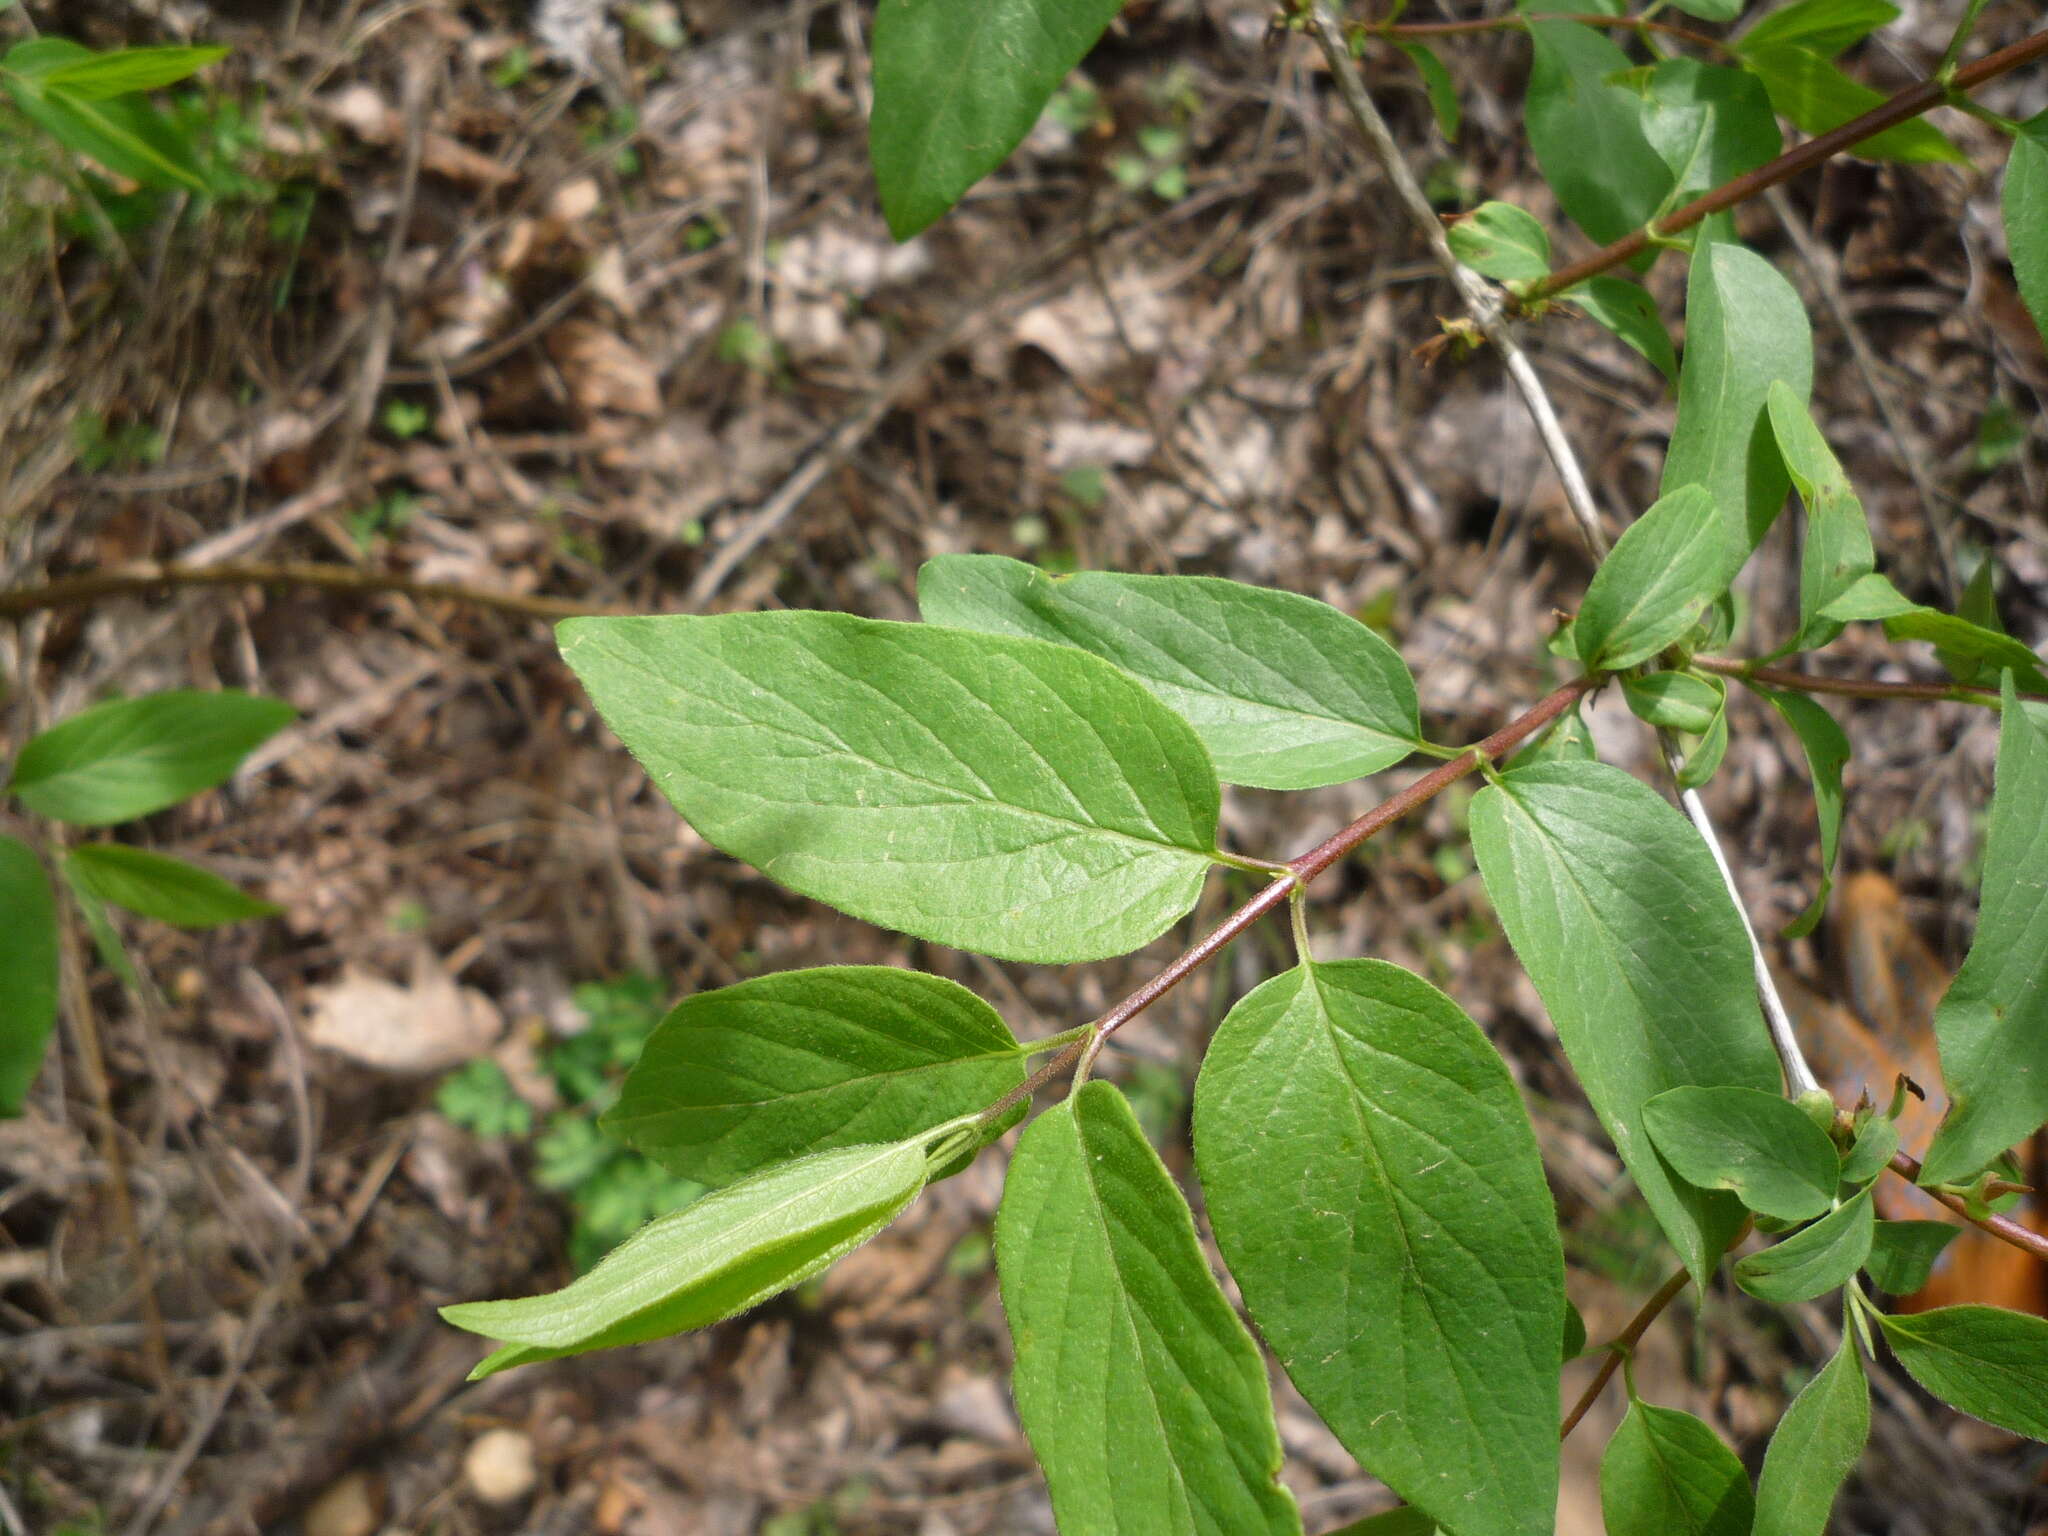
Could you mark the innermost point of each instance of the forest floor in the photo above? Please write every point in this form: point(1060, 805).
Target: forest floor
point(596, 304)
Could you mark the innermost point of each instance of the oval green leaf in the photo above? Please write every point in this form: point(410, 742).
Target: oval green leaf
point(739, 1079)
point(1760, 1147)
point(1666, 1472)
point(1812, 1261)
point(1285, 692)
point(1587, 132)
point(159, 886)
point(1378, 1193)
point(1143, 1395)
point(1814, 1448)
point(1617, 911)
point(1990, 1363)
point(1676, 701)
point(1022, 799)
point(28, 970)
point(717, 1256)
point(1903, 1254)
point(1663, 573)
point(126, 759)
point(1503, 242)
point(1825, 27)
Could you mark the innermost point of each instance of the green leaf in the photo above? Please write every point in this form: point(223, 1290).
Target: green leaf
point(744, 1077)
point(1812, 1261)
point(125, 134)
point(1143, 1395)
point(37, 58)
point(1704, 754)
point(1903, 1254)
point(1574, 1331)
point(1666, 1474)
point(958, 86)
point(1814, 1448)
point(1758, 1145)
point(717, 1256)
point(1377, 1191)
point(1393, 1522)
point(1993, 1023)
point(1676, 701)
point(1285, 692)
point(1708, 123)
point(1569, 741)
point(1818, 97)
point(1827, 752)
point(1664, 571)
point(1442, 89)
point(2026, 216)
point(1838, 551)
point(1875, 1146)
point(1627, 309)
point(1990, 1363)
point(1587, 131)
point(1503, 242)
point(130, 69)
point(28, 970)
point(1824, 27)
point(159, 886)
point(134, 756)
point(1619, 915)
point(1745, 329)
point(1958, 640)
point(1022, 799)
point(1711, 10)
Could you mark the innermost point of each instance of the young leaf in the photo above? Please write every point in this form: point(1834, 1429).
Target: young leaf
point(1903, 1254)
point(958, 86)
point(1708, 123)
point(1758, 1145)
point(1812, 1261)
point(28, 970)
point(1503, 242)
point(125, 134)
point(715, 1257)
point(1703, 758)
point(1143, 1395)
point(1569, 741)
point(1378, 1193)
point(1824, 27)
point(100, 75)
point(1022, 799)
point(1285, 692)
point(1814, 1448)
point(1875, 1146)
point(1627, 309)
point(1666, 1472)
point(1993, 1023)
point(1990, 1363)
point(1827, 752)
point(802, 1061)
point(1745, 329)
point(126, 759)
point(1837, 553)
point(1663, 572)
point(159, 886)
point(2026, 216)
point(1675, 701)
point(1437, 81)
point(1617, 911)
point(1587, 132)
point(1818, 97)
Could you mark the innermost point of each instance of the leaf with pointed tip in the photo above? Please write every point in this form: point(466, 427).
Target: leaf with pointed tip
point(1993, 1023)
point(124, 70)
point(1990, 1363)
point(1812, 1261)
point(1759, 1146)
point(1617, 911)
point(28, 970)
point(1665, 1472)
point(1627, 310)
point(1745, 329)
point(1814, 1448)
point(1826, 746)
point(1437, 82)
point(1825, 27)
point(958, 86)
point(1903, 1254)
point(1817, 96)
point(2025, 207)
point(1143, 1395)
point(1378, 1193)
point(1501, 241)
point(745, 1077)
point(718, 1256)
point(1837, 552)
point(1875, 1146)
point(125, 759)
point(1587, 132)
point(1285, 692)
point(1676, 701)
point(1022, 799)
point(1664, 571)
point(1708, 123)
point(159, 886)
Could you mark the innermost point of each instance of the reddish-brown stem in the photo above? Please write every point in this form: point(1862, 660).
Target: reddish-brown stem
point(1520, 23)
point(1301, 870)
point(1846, 687)
point(1622, 1343)
point(1903, 107)
point(1907, 1167)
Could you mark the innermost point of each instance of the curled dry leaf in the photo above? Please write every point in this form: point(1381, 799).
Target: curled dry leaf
point(428, 1025)
point(603, 372)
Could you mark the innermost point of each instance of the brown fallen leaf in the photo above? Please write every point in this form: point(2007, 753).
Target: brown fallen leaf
point(428, 1025)
point(603, 372)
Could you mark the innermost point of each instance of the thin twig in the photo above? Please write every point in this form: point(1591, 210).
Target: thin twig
point(2004, 1228)
point(1621, 1344)
point(1519, 22)
point(1852, 687)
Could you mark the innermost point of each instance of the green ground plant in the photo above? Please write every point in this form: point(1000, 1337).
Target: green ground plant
point(1033, 773)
